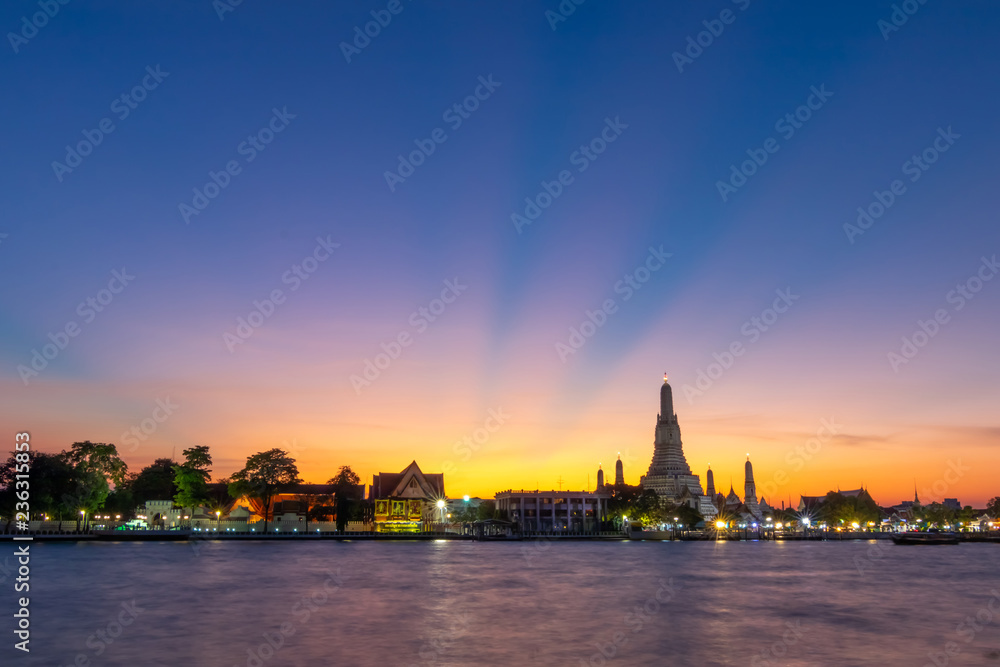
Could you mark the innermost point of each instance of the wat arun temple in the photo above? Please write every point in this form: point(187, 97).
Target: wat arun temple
point(670, 476)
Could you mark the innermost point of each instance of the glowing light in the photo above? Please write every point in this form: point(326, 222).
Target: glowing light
point(806, 522)
point(720, 524)
point(465, 498)
point(440, 504)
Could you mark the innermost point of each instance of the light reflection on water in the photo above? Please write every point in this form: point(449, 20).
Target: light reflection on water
point(551, 603)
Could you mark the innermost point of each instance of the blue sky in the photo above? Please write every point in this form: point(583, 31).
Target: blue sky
point(656, 184)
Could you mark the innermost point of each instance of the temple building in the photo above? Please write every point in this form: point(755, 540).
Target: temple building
point(749, 509)
point(750, 492)
point(669, 474)
point(600, 478)
point(732, 502)
point(619, 472)
point(406, 501)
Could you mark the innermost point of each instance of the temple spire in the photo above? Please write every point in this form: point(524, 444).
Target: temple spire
point(666, 402)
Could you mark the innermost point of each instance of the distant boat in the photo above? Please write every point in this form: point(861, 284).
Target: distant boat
point(925, 538)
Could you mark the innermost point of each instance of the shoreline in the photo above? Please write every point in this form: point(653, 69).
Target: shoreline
point(189, 536)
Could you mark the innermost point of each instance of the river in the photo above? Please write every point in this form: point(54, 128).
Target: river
point(295, 603)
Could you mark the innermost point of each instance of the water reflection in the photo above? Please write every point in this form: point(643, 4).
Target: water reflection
point(451, 603)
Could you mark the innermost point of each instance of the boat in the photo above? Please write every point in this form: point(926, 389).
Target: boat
point(916, 537)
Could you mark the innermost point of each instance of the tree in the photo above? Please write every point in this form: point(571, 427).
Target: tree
point(96, 466)
point(154, 482)
point(939, 514)
point(98, 457)
point(641, 506)
point(121, 501)
point(50, 475)
point(838, 509)
point(347, 493)
point(316, 506)
point(487, 510)
point(264, 475)
point(967, 516)
point(191, 478)
point(686, 515)
point(993, 507)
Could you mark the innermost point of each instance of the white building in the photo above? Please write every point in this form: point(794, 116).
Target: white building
point(554, 511)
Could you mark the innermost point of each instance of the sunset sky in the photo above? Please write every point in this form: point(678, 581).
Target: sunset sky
point(389, 247)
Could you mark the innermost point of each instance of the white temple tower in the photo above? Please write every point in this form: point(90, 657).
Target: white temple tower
point(669, 473)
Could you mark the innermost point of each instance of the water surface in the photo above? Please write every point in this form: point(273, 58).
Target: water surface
point(527, 603)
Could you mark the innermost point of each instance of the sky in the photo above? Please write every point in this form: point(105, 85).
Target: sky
point(478, 235)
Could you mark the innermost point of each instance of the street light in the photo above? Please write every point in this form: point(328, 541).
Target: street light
point(440, 506)
point(218, 517)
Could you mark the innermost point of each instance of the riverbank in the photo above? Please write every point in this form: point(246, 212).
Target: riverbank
point(660, 536)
